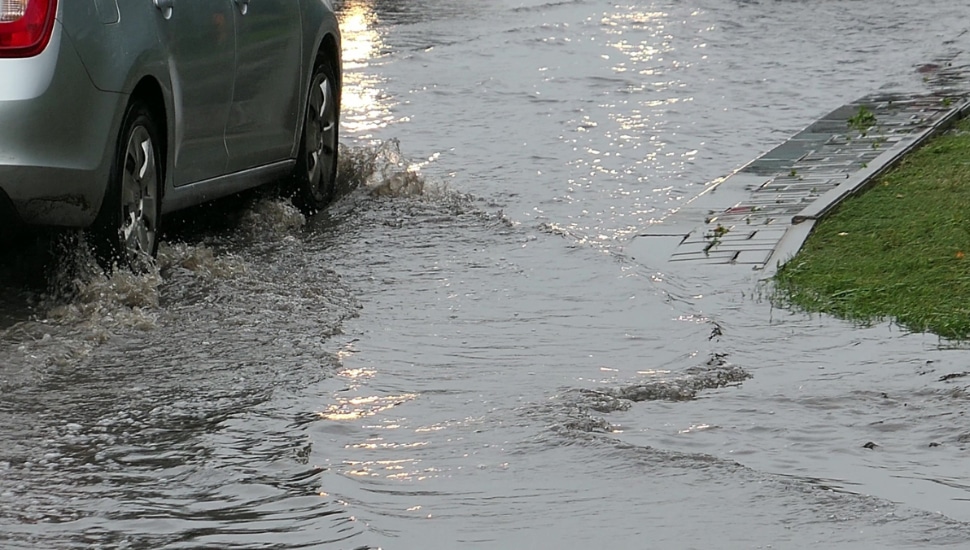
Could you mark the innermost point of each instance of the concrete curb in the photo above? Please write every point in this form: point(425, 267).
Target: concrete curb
point(803, 223)
point(863, 178)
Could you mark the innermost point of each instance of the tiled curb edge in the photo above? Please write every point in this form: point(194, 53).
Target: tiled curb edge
point(803, 223)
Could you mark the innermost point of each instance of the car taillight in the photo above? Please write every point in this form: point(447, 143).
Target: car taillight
point(25, 26)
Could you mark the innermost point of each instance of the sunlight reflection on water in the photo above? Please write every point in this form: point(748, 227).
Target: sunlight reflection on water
point(365, 104)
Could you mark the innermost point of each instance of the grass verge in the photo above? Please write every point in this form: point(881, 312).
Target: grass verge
point(900, 250)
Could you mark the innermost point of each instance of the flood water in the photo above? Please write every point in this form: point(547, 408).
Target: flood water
point(463, 351)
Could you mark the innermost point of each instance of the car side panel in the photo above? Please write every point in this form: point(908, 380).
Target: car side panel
point(199, 40)
point(191, 55)
point(269, 79)
point(116, 55)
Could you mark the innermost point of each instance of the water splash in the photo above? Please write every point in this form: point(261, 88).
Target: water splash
point(81, 293)
point(382, 171)
point(199, 260)
point(574, 408)
point(271, 218)
point(715, 373)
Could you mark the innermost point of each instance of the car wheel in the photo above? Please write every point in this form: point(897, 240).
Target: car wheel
point(316, 165)
point(130, 217)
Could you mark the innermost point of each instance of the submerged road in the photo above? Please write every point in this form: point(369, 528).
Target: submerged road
point(470, 349)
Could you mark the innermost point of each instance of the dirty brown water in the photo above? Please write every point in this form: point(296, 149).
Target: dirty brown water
point(461, 352)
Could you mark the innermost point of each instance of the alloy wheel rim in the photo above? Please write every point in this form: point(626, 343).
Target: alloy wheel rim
point(321, 126)
point(139, 211)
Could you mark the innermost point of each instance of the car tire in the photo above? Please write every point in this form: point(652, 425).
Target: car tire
point(315, 179)
point(129, 222)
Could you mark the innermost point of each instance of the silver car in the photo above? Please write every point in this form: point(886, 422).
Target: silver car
point(116, 112)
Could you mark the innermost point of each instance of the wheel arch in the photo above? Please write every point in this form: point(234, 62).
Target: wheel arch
point(149, 91)
point(325, 46)
point(146, 101)
point(329, 50)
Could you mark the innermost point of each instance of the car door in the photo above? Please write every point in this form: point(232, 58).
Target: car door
point(266, 95)
point(200, 38)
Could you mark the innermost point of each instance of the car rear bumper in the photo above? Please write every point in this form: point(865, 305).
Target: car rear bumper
point(56, 133)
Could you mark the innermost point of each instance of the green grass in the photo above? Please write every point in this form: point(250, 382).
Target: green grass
point(899, 251)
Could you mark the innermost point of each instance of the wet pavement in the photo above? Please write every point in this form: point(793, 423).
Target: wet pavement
point(759, 216)
point(468, 349)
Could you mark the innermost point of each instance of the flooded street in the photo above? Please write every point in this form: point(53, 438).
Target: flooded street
point(468, 349)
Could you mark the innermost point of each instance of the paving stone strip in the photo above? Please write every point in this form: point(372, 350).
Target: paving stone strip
point(759, 216)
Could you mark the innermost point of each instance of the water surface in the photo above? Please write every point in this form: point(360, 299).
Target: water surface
point(462, 351)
